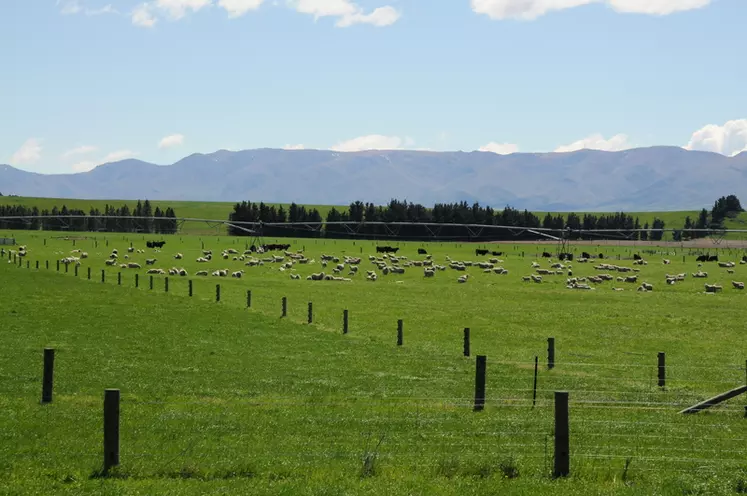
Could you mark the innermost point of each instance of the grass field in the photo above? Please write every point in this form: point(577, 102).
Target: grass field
point(221, 211)
point(217, 397)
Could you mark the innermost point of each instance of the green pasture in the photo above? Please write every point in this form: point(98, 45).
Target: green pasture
point(218, 397)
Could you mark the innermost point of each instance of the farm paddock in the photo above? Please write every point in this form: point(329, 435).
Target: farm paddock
point(216, 396)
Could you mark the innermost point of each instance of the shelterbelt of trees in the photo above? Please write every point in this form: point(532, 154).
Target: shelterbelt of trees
point(116, 219)
point(358, 214)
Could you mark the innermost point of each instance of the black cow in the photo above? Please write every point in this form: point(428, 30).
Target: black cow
point(702, 258)
point(386, 249)
point(546, 254)
point(744, 258)
point(155, 244)
point(421, 251)
point(601, 256)
point(566, 256)
point(480, 252)
point(497, 253)
point(585, 255)
point(636, 256)
point(713, 258)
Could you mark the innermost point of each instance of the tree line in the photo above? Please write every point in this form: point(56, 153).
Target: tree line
point(723, 208)
point(454, 218)
point(156, 221)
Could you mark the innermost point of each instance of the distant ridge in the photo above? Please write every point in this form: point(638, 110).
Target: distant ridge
point(642, 179)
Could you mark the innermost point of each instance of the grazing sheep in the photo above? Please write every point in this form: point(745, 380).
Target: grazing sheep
point(295, 277)
point(729, 271)
point(713, 288)
point(526, 278)
point(133, 265)
point(130, 250)
point(150, 261)
point(700, 274)
point(84, 255)
point(666, 261)
point(737, 285)
point(536, 279)
point(111, 261)
point(156, 271)
point(429, 272)
point(237, 274)
point(178, 256)
point(463, 278)
point(632, 279)
point(201, 273)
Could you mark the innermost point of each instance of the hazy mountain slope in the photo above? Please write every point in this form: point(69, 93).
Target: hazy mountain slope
point(658, 178)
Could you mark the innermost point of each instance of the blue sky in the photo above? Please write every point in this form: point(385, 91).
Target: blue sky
point(91, 81)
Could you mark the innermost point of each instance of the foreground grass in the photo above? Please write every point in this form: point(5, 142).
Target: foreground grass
point(217, 397)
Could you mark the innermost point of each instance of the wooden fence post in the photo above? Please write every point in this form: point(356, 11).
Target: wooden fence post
point(662, 369)
point(111, 428)
point(562, 440)
point(103, 275)
point(217, 293)
point(285, 307)
point(311, 313)
point(550, 353)
point(76, 271)
point(248, 298)
point(480, 373)
point(151, 283)
point(48, 378)
point(58, 265)
point(166, 284)
point(190, 288)
point(47, 264)
point(534, 390)
point(67, 268)
point(89, 273)
point(37, 265)
point(466, 341)
point(137, 280)
point(345, 321)
point(119, 278)
point(400, 332)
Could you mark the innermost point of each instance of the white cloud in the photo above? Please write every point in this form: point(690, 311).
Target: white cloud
point(176, 9)
point(294, 147)
point(657, 7)
point(500, 148)
point(171, 141)
point(532, 9)
point(106, 9)
point(237, 8)
point(81, 150)
point(598, 142)
point(118, 155)
point(142, 16)
point(380, 17)
point(84, 166)
point(70, 7)
point(729, 139)
point(348, 12)
point(29, 153)
point(372, 142)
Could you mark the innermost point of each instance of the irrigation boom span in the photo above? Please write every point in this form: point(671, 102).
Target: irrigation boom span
point(320, 224)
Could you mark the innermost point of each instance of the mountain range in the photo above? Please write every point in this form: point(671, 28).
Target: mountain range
point(641, 179)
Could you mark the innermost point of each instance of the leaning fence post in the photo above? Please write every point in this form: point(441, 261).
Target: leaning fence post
point(345, 321)
point(400, 332)
point(480, 372)
point(48, 377)
point(562, 455)
point(662, 369)
point(111, 428)
point(550, 353)
point(466, 341)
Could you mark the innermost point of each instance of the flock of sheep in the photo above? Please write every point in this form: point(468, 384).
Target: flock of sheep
point(344, 269)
